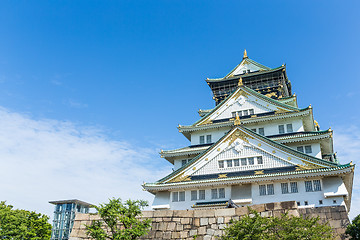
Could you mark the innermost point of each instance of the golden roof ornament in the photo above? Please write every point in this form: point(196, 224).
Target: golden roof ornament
point(240, 83)
point(245, 54)
point(237, 120)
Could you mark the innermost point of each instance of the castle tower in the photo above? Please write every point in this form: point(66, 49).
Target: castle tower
point(256, 146)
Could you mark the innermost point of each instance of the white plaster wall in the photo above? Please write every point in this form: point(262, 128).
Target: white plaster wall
point(315, 147)
point(302, 196)
point(269, 129)
point(240, 69)
point(216, 134)
point(187, 204)
point(273, 127)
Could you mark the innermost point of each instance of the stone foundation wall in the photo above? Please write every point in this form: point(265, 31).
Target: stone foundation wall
point(209, 224)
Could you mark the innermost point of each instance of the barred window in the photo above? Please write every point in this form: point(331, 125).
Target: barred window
point(289, 128)
point(281, 129)
point(193, 195)
point(202, 139)
point(245, 112)
point(308, 186)
point(221, 192)
point(300, 149)
point(293, 187)
point(262, 190)
point(284, 188)
point(201, 194)
point(259, 160)
point(251, 161)
point(254, 129)
point(251, 111)
point(214, 194)
point(175, 196)
point(221, 164)
point(261, 131)
point(229, 163)
point(308, 149)
point(183, 162)
point(236, 162)
point(208, 138)
point(317, 185)
point(243, 162)
point(270, 189)
point(181, 196)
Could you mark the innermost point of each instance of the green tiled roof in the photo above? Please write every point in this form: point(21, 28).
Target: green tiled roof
point(259, 95)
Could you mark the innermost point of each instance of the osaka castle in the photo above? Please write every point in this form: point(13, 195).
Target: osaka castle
point(255, 146)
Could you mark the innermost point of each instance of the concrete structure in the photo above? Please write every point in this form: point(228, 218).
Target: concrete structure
point(256, 146)
point(64, 215)
point(209, 224)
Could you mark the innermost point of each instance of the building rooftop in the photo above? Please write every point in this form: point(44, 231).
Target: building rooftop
point(72, 201)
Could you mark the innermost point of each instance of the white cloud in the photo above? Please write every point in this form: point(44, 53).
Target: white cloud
point(44, 160)
point(347, 144)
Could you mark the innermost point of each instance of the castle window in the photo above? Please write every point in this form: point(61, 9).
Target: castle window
point(202, 139)
point(334, 201)
point(254, 129)
point(178, 196)
point(221, 164)
point(259, 160)
point(251, 111)
point(229, 163)
point(245, 112)
point(251, 161)
point(313, 186)
point(208, 138)
point(175, 196)
point(281, 129)
point(308, 149)
point(217, 193)
point(183, 162)
point(298, 203)
point(284, 188)
point(293, 187)
point(317, 185)
point(320, 202)
point(262, 190)
point(289, 128)
point(243, 162)
point(193, 195)
point(201, 194)
point(236, 162)
point(181, 196)
point(300, 149)
point(306, 203)
point(266, 189)
point(248, 70)
point(261, 131)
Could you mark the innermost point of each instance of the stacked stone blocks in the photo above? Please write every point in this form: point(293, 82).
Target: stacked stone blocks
point(209, 224)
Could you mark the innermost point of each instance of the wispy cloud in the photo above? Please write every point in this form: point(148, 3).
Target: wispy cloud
point(44, 160)
point(76, 104)
point(347, 144)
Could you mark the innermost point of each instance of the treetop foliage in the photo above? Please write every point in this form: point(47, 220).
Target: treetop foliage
point(353, 229)
point(23, 224)
point(119, 221)
point(255, 227)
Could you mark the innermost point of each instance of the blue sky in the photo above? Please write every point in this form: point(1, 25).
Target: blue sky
point(119, 76)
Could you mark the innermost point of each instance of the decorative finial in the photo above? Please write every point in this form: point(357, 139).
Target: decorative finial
point(310, 106)
point(330, 130)
point(240, 83)
point(245, 54)
point(237, 120)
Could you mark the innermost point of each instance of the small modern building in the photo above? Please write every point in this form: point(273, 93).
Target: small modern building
point(64, 215)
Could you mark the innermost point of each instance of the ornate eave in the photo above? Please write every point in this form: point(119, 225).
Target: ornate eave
point(244, 75)
point(340, 170)
point(306, 113)
point(243, 90)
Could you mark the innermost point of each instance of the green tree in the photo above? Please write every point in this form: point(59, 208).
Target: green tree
point(119, 220)
point(353, 229)
point(22, 224)
point(254, 226)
